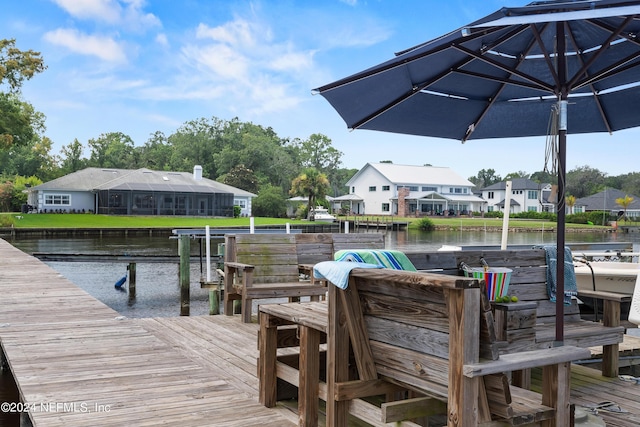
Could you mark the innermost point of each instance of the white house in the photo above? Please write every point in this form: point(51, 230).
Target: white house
point(139, 192)
point(390, 189)
point(526, 196)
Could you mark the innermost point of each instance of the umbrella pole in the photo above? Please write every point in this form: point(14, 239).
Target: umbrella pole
point(562, 162)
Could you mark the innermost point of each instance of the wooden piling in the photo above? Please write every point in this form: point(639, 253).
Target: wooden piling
point(132, 279)
point(184, 248)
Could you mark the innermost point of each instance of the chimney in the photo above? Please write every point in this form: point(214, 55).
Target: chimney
point(197, 173)
point(403, 203)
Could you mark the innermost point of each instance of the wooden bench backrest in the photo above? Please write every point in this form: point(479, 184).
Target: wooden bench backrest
point(528, 280)
point(276, 256)
point(316, 247)
point(407, 317)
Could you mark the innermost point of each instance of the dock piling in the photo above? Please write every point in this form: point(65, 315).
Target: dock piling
point(132, 279)
point(184, 248)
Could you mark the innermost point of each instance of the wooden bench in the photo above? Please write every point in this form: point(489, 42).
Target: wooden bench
point(530, 323)
point(263, 266)
point(430, 334)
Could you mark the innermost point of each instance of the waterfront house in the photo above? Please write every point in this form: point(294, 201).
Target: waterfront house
point(139, 192)
point(526, 196)
point(606, 201)
point(390, 189)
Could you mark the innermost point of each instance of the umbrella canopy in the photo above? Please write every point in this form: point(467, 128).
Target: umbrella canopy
point(548, 67)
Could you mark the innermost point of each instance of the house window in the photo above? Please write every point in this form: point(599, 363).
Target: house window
point(240, 202)
point(386, 188)
point(532, 209)
point(429, 189)
point(490, 195)
point(353, 190)
point(532, 194)
point(489, 208)
point(57, 199)
point(372, 188)
point(385, 207)
point(413, 188)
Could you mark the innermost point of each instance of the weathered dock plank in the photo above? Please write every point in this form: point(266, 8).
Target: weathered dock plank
point(77, 362)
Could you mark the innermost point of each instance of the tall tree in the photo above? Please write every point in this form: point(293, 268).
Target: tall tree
point(242, 177)
point(195, 143)
point(156, 152)
point(112, 150)
point(515, 175)
point(20, 123)
point(318, 153)
point(72, 159)
point(485, 178)
point(311, 184)
point(271, 202)
point(584, 181)
point(17, 65)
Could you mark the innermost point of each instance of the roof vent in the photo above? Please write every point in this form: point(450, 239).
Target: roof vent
point(197, 173)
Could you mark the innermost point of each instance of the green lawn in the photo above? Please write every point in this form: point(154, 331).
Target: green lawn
point(106, 221)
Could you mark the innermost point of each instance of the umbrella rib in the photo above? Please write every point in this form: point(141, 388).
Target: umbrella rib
point(545, 53)
point(505, 81)
point(414, 90)
point(596, 98)
point(604, 26)
point(390, 66)
point(608, 71)
point(503, 67)
point(599, 53)
point(493, 99)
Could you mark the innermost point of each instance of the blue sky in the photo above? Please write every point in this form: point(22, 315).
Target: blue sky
point(138, 67)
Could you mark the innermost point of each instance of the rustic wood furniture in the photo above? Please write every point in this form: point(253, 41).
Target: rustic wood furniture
point(430, 334)
point(530, 323)
point(263, 266)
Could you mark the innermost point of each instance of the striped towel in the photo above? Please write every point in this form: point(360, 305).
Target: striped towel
point(395, 260)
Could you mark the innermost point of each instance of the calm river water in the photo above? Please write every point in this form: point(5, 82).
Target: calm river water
point(157, 290)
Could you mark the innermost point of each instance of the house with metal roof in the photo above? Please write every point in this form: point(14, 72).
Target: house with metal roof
point(390, 189)
point(526, 196)
point(607, 201)
point(139, 192)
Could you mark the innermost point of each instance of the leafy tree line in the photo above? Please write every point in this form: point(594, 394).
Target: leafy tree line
point(581, 182)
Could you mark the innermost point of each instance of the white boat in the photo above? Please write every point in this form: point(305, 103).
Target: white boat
point(322, 214)
point(607, 276)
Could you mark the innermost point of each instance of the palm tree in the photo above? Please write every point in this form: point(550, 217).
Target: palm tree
point(570, 202)
point(312, 184)
point(624, 202)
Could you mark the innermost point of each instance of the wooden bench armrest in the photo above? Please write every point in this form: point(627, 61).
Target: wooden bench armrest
point(526, 360)
point(239, 265)
point(603, 295)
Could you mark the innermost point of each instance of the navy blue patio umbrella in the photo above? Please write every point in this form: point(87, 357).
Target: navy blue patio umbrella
point(575, 64)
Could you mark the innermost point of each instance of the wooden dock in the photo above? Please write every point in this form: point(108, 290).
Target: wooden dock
point(77, 362)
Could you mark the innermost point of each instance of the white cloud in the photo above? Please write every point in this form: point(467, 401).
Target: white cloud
point(125, 12)
point(162, 40)
point(104, 48)
point(241, 61)
point(103, 10)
